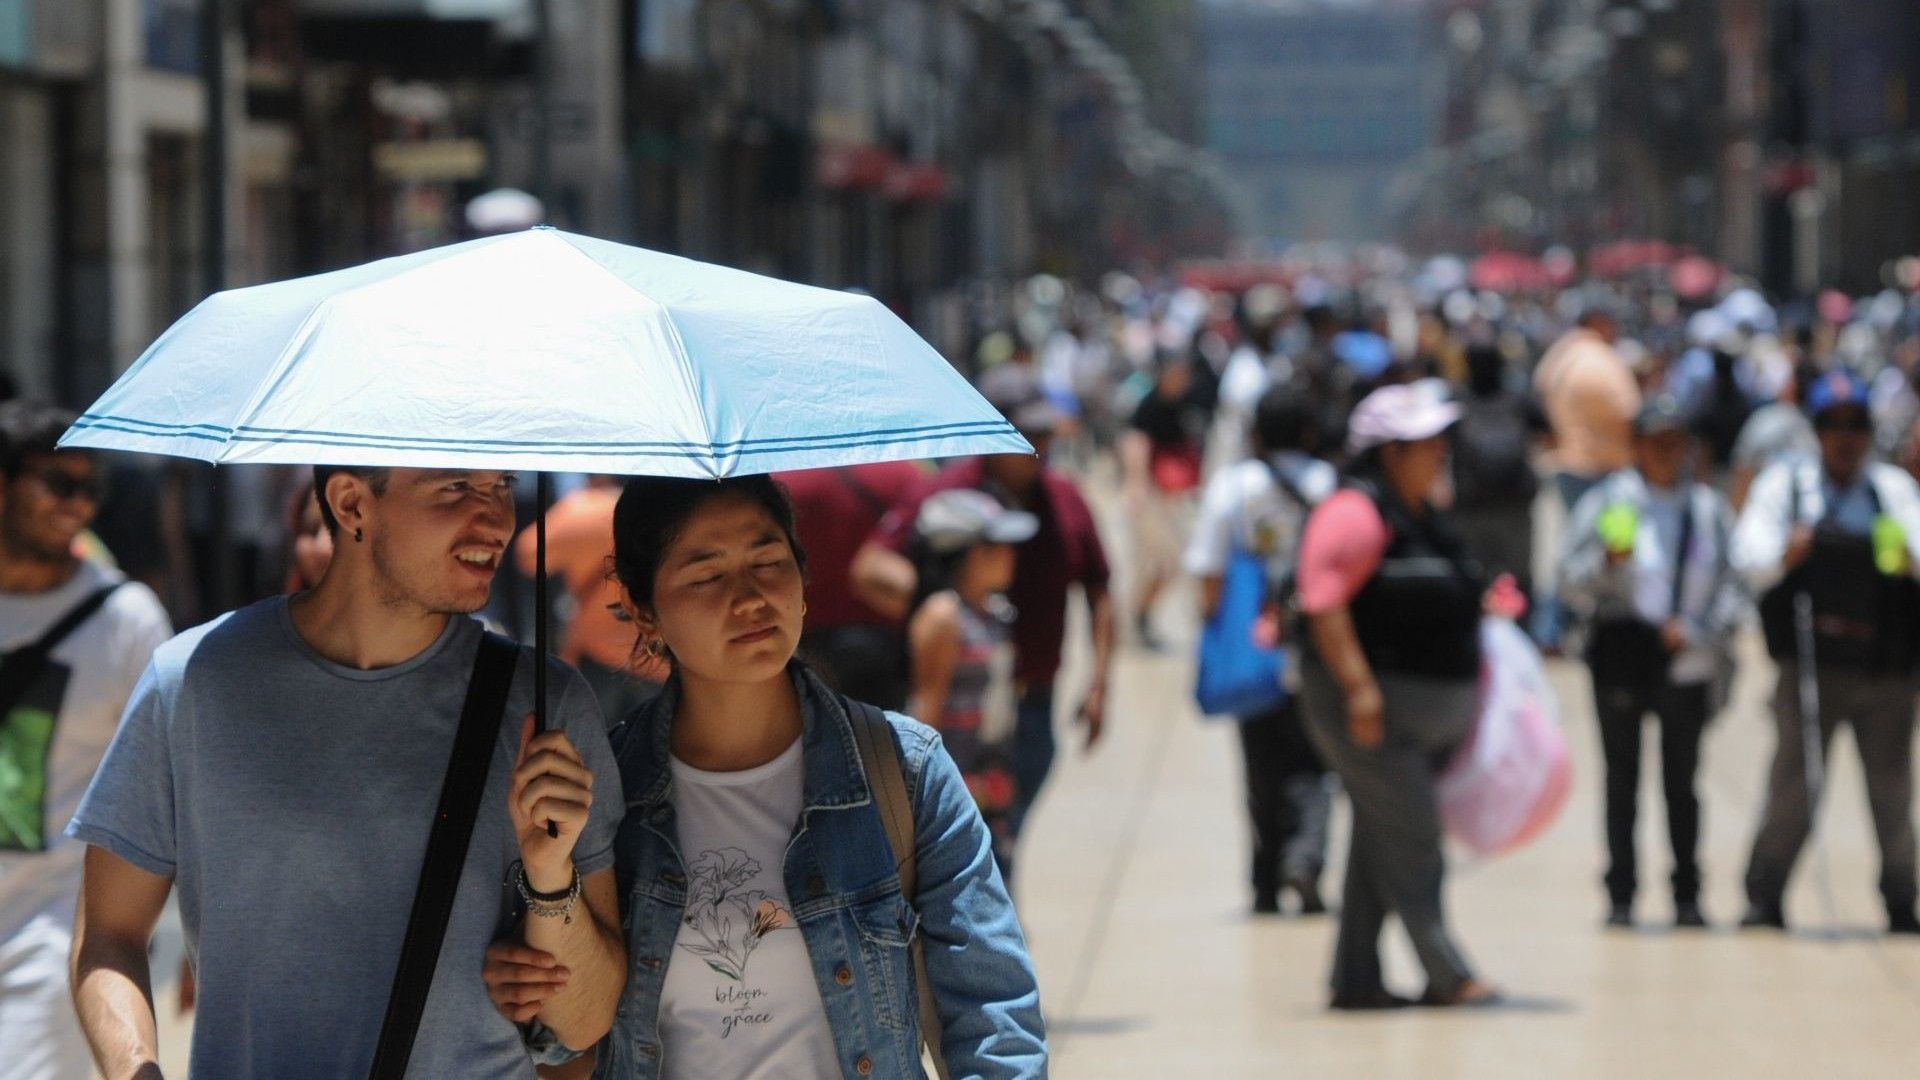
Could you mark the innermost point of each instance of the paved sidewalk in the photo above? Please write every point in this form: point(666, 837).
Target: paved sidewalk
point(1133, 896)
point(1151, 966)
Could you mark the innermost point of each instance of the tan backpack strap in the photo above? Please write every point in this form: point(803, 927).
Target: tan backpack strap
point(880, 757)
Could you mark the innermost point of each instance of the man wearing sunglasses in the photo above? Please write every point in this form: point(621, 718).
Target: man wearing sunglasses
point(1832, 546)
point(74, 637)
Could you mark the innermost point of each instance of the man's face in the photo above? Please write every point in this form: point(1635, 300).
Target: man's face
point(47, 504)
point(436, 537)
point(1661, 456)
point(1019, 474)
point(1846, 438)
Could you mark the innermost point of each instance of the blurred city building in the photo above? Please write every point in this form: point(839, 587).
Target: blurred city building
point(1322, 109)
point(912, 148)
point(1779, 136)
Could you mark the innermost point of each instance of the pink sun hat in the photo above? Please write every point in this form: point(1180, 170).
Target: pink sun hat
point(1402, 413)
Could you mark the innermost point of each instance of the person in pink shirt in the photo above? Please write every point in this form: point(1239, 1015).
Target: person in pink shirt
point(1390, 668)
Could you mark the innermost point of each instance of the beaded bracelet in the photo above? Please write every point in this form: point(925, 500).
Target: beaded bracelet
point(553, 905)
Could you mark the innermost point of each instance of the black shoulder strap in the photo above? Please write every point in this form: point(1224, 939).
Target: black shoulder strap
point(1687, 509)
point(1288, 487)
point(446, 853)
point(881, 759)
point(71, 620)
point(19, 668)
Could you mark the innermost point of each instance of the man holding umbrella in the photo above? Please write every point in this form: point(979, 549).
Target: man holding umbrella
point(1831, 545)
point(280, 767)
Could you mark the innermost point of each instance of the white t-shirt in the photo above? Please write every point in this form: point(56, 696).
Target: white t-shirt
point(1243, 508)
point(103, 659)
point(740, 999)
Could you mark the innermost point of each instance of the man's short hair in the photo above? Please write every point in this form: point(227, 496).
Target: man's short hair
point(376, 479)
point(29, 429)
point(1285, 419)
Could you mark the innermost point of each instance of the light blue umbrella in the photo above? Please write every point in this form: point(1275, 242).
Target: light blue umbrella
point(544, 351)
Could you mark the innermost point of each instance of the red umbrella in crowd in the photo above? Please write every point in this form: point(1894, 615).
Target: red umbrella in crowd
point(1509, 271)
point(1623, 257)
point(1222, 275)
point(1695, 277)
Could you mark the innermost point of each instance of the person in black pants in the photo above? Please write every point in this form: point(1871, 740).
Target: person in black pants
point(1290, 804)
point(1647, 563)
point(1258, 507)
point(1831, 546)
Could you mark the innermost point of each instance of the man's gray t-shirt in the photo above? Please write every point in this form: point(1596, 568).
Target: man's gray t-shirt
point(289, 798)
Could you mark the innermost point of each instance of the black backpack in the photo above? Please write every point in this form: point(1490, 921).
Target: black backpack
point(1490, 464)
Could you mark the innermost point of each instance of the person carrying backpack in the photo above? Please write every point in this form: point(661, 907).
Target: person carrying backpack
point(778, 918)
point(74, 637)
point(1260, 506)
point(1494, 482)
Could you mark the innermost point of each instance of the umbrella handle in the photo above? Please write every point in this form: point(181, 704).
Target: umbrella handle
point(543, 495)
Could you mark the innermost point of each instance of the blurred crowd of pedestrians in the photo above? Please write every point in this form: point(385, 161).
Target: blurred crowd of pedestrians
point(1381, 440)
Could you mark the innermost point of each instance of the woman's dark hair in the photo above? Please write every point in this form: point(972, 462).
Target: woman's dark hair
point(1367, 467)
point(653, 509)
point(1486, 369)
point(934, 572)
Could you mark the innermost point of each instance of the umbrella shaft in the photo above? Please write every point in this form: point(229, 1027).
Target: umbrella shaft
point(542, 497)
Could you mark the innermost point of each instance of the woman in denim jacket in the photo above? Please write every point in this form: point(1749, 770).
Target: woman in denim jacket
point(759, 896)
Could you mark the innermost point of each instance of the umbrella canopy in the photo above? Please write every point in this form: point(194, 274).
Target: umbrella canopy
point(1508, 271)
point(544, 351)
point(1623, 257)
point(1693, 277)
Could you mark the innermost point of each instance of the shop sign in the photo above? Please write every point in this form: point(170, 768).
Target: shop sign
point(431, 160)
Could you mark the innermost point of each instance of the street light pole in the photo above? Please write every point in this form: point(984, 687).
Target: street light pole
point(543, 103)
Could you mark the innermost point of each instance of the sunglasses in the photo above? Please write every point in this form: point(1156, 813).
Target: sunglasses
point(64, 485)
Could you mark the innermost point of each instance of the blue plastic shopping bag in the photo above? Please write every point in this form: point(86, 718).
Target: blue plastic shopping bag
point(1239, 676)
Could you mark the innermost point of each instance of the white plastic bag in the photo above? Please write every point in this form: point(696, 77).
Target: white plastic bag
point(1508, 783)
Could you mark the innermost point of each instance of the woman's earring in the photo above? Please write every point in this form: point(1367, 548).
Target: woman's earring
point(655, 648)
point(358, 536)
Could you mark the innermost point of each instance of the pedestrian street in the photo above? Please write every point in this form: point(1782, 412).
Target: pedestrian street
point(1134, 900)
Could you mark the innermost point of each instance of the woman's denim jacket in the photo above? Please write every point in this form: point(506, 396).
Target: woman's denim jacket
point(845, 892)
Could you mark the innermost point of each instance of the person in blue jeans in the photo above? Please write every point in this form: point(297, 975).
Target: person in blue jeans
point(761, 903)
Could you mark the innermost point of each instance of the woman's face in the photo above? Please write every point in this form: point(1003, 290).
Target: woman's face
point(728, 595)
point(1416, 466)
